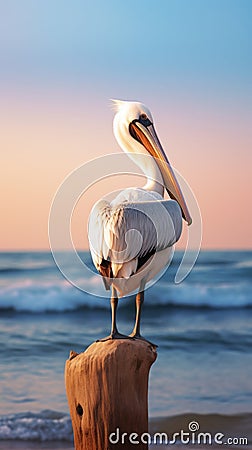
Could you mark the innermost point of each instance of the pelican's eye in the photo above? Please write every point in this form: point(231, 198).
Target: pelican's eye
point(144, 120)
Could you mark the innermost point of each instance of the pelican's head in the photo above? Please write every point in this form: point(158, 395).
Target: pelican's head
point(135, 132)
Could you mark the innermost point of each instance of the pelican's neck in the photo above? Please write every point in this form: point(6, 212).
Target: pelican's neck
point(150, 169)
point(141, 158)
point(154, 178)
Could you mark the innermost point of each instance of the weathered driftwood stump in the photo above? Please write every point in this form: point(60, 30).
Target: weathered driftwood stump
point(107, 391)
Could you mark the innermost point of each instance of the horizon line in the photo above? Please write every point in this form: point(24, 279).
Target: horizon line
point(44, 250)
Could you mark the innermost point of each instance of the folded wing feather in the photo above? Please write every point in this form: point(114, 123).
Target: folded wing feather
point(122, 236)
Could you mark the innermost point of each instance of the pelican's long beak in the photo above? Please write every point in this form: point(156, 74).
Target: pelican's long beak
point(147, 136)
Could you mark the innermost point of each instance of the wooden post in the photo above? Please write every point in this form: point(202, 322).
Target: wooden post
point(107, 391)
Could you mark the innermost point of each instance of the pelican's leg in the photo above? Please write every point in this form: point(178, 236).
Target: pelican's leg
point(139, 301)
point(114, 331)
point(136, 330)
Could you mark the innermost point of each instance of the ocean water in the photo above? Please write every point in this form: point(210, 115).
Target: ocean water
point(203, 328)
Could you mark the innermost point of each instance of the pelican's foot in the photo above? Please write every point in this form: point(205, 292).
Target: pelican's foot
point(138, 336)
point(115, 335)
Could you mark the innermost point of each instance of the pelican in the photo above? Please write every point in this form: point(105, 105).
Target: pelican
point(131, 238)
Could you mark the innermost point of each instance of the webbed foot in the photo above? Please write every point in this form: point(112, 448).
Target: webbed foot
point(138, 336)
point(114, 335)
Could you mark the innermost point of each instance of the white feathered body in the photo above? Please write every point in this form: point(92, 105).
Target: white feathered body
point(131, 238)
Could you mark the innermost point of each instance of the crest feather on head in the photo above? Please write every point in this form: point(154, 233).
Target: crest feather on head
point(117, 104)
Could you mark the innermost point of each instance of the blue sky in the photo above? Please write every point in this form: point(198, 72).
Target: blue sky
point(190, 61)
point(191, 42)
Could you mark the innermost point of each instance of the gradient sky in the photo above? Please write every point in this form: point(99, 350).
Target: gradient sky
point(61, 62)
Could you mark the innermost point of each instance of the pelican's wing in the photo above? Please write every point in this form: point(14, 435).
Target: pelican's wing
point(122, 238)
